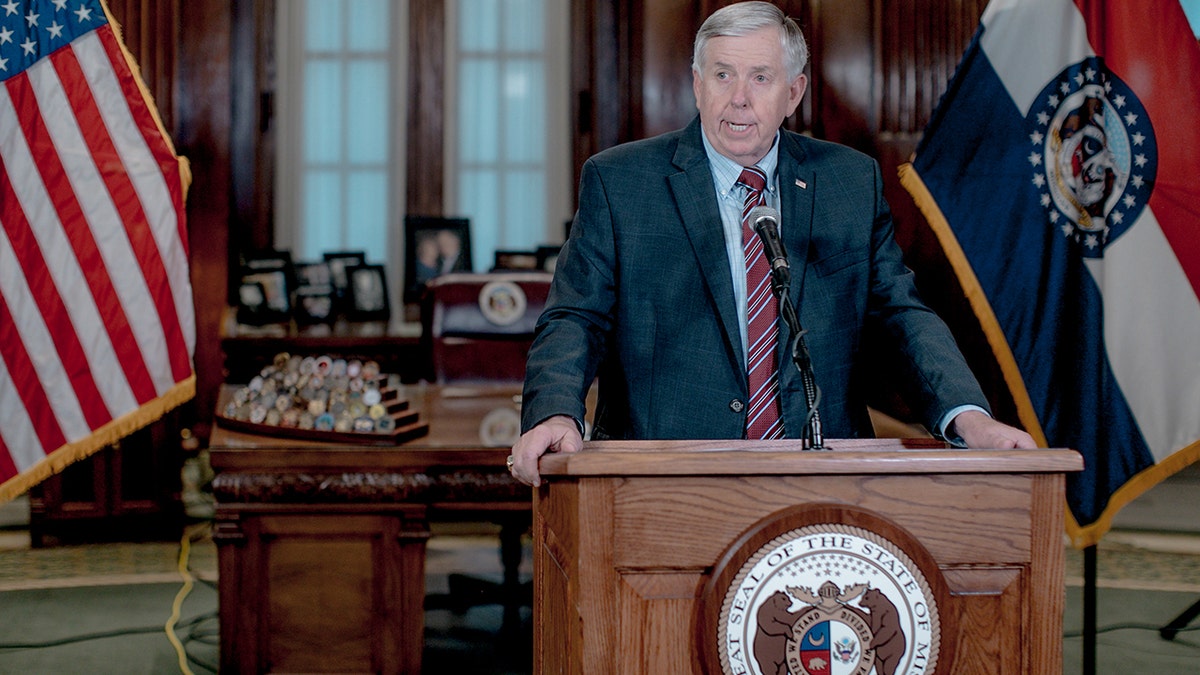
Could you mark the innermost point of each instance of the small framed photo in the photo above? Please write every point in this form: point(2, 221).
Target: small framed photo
point(433, 246)
point(314, 304)
point(515, 260)
point(368, 297)
point(313, 274)
point(253, 304)
point(270, 260)
point(269, 273)
point(339, 262)
point(275, 288)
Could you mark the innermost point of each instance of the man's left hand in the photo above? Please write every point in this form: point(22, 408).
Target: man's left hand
point(983, 432)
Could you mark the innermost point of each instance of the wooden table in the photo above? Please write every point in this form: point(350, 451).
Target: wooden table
point(321, 547)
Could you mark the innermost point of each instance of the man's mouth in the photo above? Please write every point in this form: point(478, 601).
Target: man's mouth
point(737, 128)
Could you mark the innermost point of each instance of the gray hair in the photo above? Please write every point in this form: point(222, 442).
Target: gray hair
point(743, 18)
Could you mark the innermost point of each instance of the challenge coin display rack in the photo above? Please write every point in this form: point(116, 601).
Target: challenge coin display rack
point(322, 398)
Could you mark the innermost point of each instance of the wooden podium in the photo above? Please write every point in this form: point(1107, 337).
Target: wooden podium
point(658, 557)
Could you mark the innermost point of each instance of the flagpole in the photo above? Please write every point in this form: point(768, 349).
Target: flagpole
point(1089, 610)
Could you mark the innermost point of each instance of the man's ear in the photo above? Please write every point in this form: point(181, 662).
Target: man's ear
point(796, 92)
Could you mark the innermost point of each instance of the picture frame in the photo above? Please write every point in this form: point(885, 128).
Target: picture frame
point(253, 307)
point(264, 293)
point(367, 296)
point(270, 260)
point(314, 274)
point(515, 261)
point(314, 305)
point(433, 246)
point(339, 262)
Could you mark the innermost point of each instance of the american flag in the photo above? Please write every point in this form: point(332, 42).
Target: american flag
point(97, 328)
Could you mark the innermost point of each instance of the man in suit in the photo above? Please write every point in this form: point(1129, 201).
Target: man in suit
point(650, 291)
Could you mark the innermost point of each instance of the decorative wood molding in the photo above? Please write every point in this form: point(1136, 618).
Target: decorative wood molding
point(366, 487)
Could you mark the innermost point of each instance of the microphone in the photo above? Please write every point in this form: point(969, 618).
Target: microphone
point(766, 223)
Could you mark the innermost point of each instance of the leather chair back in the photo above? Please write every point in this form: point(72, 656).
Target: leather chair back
point(481, 325)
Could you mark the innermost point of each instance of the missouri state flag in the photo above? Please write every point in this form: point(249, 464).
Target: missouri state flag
point(1061, 172)
point(97, 328)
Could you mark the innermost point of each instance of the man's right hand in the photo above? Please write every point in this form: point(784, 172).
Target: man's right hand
point(556, 434)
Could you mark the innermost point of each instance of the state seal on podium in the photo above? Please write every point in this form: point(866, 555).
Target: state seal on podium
point(824, 590)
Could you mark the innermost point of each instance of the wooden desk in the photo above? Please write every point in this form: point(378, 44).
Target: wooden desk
point(321, 547)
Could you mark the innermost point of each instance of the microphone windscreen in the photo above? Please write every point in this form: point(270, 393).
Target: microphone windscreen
point(760, 213)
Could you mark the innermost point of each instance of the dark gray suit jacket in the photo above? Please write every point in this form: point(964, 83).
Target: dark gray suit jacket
point(642, 297)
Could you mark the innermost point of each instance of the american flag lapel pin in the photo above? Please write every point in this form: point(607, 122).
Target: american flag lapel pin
point(801, 184)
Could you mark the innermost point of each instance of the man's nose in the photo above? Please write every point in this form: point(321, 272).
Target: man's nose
point(741, 95)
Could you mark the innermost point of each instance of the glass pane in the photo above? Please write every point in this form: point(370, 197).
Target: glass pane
point(523, 26)
point(478, 25)
point(368, 21)
point(366, 213)
point(322, 111)
point(524, 111)
point(322, 214)
point(479, 199)
point(323, 24)
point(367, 112)
point(478, 111)
point(524, 218)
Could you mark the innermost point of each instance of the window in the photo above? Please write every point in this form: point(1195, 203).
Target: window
point(342, 98)
point(509, 159)
point(340, 72)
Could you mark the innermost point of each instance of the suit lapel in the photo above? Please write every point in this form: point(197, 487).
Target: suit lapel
point(696, 197)
point(797, 189)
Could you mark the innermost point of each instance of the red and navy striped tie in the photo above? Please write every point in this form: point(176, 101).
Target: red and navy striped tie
point(764, 418)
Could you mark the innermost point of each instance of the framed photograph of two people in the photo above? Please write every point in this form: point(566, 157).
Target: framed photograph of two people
point(433, 246)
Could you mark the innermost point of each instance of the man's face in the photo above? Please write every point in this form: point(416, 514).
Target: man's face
point(744, 94)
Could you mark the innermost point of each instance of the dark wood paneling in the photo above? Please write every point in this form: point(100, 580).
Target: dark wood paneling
point(251, 63)
point(202, 133)
point(663, 99)
point(150, 29)
point(842, 88)
point(426, 106)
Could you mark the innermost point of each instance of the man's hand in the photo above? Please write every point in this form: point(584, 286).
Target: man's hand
point(981, 431)
point(556, 434)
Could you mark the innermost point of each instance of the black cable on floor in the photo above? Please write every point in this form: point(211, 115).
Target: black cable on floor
point(99, 636)
point(1131, 626)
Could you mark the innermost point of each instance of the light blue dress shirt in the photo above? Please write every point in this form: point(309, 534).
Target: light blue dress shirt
point(731, 197)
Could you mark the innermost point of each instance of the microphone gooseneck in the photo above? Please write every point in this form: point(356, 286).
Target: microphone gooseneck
point(765, 221)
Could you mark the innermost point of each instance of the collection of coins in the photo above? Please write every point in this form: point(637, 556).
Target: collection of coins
point(315, 392)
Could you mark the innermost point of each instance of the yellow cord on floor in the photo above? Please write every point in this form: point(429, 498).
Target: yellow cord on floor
point(185, 548)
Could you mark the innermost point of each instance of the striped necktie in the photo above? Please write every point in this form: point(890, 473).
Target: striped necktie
point(764, 418)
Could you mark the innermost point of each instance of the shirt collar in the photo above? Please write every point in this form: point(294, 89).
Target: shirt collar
point(726, 171)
